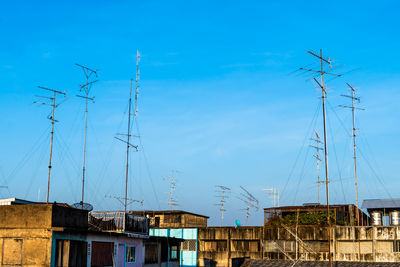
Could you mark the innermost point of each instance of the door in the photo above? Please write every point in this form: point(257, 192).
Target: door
point(121, 255)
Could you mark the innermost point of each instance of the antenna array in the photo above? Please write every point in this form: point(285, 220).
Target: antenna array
point(172, 201)
point(85, 88)
point(51, 103)
point(224, 194)
point(353, 108)
point(131, 200)
point(274, 193)
point(128, 135)
point(321, 72)
point(317, 146)
point(250, 201)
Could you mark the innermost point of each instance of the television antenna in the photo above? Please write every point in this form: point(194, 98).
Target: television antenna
point(317, 146)
point(130, 200)
point(224, 194)
point(172, 201)
point(85, 88)
point(353, 108)
point(321, 72)
point(274, 193)
point(250, 201)
point(52, 103)
point(128, 135)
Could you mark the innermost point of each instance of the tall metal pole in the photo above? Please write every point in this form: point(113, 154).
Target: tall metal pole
point(353, 108)
point(127, 147)
point(318, 182)
point(326, 159)
point(53, 120)
point(354, 148)
point(51, 146)
point(84, 142)
point(323, 90)
point(355, 168)
point(86, 87)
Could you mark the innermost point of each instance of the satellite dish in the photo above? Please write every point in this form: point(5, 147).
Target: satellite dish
point(82, 206)
point(238, 224)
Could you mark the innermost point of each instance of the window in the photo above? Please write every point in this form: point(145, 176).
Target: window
point(174, 252)
point(189, 245)
point(130, 254)
point(396, 246)
point(12, 251)
point(218, 245)
point(245, 245)
point(172, 218)
point(157, 222)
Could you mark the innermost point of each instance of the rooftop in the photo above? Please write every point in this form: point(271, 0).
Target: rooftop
point(16, 201)
point(389, 203)
point(159, 212)
point(307, 206)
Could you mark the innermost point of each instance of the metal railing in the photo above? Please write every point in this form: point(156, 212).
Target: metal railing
point(119, 221)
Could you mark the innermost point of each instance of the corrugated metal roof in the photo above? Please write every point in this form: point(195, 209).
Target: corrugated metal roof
point(389, 203)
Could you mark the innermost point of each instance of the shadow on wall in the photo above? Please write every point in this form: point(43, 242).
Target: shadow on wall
point(237, 262)
point(209, 263)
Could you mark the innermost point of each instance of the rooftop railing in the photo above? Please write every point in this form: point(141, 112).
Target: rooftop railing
point(118, 221)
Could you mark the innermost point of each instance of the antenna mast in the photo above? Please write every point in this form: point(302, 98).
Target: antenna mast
point(128, 135)
point(250, 201)
point(323, 91)
point(225, 191)
point(353, 108)
point(317, 143)
point(53, 120)
point(86, 89)
point(172, 202)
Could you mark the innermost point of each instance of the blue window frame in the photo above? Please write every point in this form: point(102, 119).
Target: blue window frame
point(130, 254)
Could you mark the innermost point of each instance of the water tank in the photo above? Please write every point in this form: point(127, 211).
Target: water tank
point(395, 218)
point(376, 218)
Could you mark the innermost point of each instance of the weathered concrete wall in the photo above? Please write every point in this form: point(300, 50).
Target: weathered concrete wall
point(42, 216)
point(348, 243)
point(25, 216)
point(219, 246)
point(25, 247)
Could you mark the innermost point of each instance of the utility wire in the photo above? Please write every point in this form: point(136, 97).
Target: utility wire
point(147, 164)
point(301, 149)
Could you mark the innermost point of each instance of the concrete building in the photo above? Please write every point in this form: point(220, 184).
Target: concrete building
point(42, 235)
point(59, 235)
point(178, 224)
point(173, 218)
point(294, 240)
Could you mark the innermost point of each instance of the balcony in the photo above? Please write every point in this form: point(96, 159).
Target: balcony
point(118, 221)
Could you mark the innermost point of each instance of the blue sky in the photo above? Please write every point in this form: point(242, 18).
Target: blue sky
point(217, 99)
